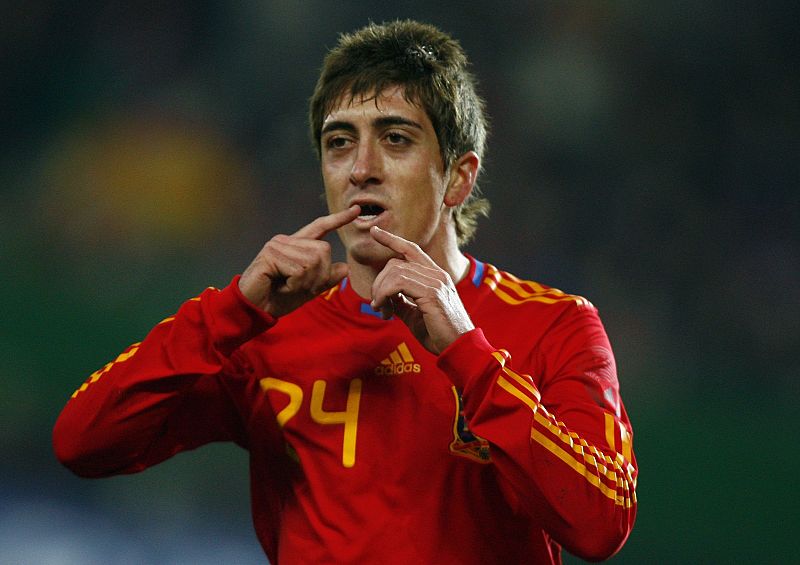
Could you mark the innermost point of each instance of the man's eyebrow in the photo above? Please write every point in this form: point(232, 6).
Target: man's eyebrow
point(338, 125)
point(385, 121)
point(382, 122)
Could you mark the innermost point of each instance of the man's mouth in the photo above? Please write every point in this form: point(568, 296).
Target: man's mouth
point(370, 211)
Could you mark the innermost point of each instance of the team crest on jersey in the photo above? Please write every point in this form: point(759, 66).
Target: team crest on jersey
point(465, 443)
point(399, 362)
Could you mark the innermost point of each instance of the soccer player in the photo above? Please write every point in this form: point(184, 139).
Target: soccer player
point(411, 405)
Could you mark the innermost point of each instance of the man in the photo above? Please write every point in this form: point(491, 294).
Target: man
point(412, 405)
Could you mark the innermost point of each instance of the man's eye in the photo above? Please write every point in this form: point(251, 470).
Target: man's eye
point(396, 138)
point(336, 142)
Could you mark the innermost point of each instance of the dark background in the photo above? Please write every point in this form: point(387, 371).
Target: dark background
point(644, 155)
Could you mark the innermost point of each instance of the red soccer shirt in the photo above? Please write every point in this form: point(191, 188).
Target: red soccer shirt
point(365, 447)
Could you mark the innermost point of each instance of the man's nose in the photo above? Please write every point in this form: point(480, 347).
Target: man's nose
point(367, 166)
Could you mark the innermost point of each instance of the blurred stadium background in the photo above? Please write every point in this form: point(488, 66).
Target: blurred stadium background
point(645, 155)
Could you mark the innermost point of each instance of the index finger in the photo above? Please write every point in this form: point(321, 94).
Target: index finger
point(324, 225)
point(408, 249)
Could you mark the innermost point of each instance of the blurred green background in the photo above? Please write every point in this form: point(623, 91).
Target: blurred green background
point(644, 155)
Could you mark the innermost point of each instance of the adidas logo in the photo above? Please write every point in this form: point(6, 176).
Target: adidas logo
point(398, 362)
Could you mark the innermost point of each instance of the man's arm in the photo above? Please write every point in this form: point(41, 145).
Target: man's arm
point(166, 394)
point(563, 454)
point(563, 450)
point(163, 395)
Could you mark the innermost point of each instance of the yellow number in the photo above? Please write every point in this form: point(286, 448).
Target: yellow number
point(294, 392)
point(349, 417)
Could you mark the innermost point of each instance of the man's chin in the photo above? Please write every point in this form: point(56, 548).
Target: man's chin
point(370, 253)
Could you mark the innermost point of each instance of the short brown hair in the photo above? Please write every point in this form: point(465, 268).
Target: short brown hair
point(431, 66)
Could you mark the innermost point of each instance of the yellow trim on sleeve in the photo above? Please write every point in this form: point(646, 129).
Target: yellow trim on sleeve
point(94, 377)
point(580, 468)
point(580, 455)
point(502, 356)
point(626, 441)
point(514, 391)
point(610, 425)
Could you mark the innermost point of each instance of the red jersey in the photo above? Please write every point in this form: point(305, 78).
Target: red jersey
point(367, 448)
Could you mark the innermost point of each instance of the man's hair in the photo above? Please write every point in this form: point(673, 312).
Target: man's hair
point(431, 67)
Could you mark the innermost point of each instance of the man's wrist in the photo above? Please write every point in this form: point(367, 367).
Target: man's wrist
point(233, 319)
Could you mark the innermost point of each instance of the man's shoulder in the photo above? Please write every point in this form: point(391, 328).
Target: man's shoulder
point(505, 289)
point(517, 313)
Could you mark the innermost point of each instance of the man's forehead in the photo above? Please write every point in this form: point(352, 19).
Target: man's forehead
point(390, 99)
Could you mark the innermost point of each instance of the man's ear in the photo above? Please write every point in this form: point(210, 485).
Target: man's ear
point(463, 174)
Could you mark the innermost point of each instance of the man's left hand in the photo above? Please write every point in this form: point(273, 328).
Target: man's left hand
point(419, 292)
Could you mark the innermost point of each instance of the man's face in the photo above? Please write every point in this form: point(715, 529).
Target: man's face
point(384, 157)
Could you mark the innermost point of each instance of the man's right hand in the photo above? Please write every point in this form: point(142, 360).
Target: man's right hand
point(292, 269)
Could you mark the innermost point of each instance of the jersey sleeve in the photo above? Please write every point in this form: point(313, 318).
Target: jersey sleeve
point(562, 449)
point(163, 395)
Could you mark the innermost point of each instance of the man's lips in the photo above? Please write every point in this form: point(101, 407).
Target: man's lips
point(370, 214)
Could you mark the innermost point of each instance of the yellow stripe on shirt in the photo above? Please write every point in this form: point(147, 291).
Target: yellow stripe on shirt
point(94, 377)
point(514, 291)
point(580, 455)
